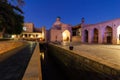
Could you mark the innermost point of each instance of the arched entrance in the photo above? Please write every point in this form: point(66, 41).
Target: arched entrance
point(108, 34)
point(66, 36)
point(118, 35)
point(86, 36)
point(95, 36)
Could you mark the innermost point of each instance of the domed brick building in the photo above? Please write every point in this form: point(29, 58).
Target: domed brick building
point(60, 32)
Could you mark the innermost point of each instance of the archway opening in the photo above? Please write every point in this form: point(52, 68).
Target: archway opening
point(86, 36)
point(118, 34)
point(108, 34)
point(66, 36)
point(95, 36)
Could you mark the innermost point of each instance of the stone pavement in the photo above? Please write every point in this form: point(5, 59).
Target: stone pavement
point(105, 54)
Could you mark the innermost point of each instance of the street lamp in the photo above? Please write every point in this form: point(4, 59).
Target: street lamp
point(71, 47)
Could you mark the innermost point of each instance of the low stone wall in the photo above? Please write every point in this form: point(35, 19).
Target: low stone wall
point(6, 46)
point(33, 71)
point(9, 48)
point(80, 64)
point(76, 39)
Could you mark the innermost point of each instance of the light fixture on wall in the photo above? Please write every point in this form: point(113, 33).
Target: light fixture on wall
point(64, 36)
point(31, 36)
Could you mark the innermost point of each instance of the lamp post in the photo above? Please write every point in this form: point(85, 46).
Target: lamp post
point(71, 47)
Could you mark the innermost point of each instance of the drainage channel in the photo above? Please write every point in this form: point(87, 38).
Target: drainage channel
point(59, 65)
point(50, 69)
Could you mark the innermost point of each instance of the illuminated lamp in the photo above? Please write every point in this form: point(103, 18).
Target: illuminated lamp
point(40, 36)
point(23, 36)
point(64, 36)
point(71, 47)
point(31, 36)
point(13, 36)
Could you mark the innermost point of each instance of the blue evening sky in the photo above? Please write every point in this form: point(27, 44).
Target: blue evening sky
point(44, 12)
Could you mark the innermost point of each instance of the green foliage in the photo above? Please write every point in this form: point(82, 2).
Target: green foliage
point(17, 24)
point(11, 18)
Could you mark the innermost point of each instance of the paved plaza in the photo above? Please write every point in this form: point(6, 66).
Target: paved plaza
point(105, 54)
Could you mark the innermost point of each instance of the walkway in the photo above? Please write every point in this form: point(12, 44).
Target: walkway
point(106, 54)
point(13, 68)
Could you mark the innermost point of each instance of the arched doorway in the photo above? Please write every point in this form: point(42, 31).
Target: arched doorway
point(86, 36)
point(118, 35)
point(108, 34)
point(66, 36)
point(95, 36)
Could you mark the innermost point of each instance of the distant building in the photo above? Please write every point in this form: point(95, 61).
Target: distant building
point(103, 32)
point(76, 32)
point(31, 33)
point(28, 27)
point(60, 32)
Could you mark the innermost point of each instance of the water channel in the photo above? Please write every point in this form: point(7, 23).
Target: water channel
point(53, 69)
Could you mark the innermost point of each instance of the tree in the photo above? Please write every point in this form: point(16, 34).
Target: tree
point(17, 3)
point(11, 18)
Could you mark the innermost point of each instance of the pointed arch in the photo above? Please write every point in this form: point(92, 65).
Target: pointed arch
point(108, 34)
point(95, 35)
point(86, 36)
point(66, 36)
point(118, 34)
